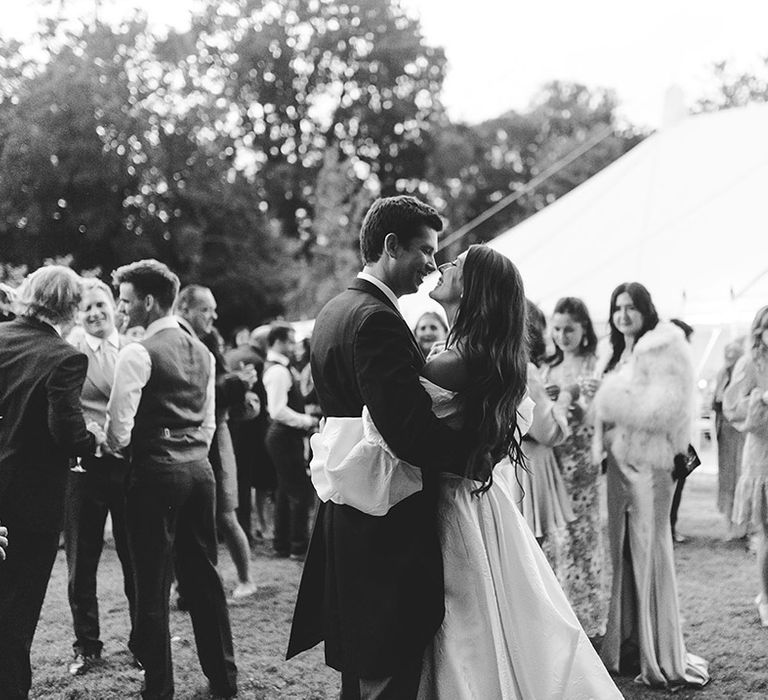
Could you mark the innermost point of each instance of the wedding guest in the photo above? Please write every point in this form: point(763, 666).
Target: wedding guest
point(645, 401)
point(100, 489)
point(730, 441)
point(7, 296)
point(41, 376)
point(681, 478)
point(255, 472)
point(540, 490)
point(745, 403)
point(3, 541)
point(578, 553)
point(431, 328)
point(163, 404)
point(196, 311)
point(285, 444)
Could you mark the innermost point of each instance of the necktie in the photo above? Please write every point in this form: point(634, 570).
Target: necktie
point(106, 357)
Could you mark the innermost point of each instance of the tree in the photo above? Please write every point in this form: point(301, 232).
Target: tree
point(483, 164)
point(735, 88)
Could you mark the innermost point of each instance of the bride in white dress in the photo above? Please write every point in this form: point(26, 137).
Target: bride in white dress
point(509, 632)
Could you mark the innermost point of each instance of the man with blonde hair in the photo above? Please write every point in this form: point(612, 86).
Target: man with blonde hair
point(42, 425)
point(99, 490)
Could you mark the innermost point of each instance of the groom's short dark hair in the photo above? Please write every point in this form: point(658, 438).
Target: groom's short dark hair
point(404, 216)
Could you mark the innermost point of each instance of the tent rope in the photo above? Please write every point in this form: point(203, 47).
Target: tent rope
point(553, 169)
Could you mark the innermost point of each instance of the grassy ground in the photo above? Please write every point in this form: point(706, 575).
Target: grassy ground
point(716, 583)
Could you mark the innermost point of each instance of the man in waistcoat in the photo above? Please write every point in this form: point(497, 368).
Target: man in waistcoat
point(99, 489)
point(285, 444)
point(162, 404)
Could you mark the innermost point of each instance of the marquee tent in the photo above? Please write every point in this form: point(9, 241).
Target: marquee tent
point(685, 212)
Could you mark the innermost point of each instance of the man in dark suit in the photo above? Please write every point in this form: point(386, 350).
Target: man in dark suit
point(372, 587)
point(41, 427)
point(196, 313)
point(162, 404)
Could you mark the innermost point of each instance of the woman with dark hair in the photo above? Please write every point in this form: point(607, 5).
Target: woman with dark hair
point(577, 552)
point(745, 402)
point(540, 491)
point(495, 575)
point(430, 329)
point(646, 405)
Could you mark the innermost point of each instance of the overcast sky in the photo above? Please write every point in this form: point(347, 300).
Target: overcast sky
point(501, 51)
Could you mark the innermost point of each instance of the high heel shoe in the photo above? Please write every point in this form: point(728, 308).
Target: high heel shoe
point(762, 611)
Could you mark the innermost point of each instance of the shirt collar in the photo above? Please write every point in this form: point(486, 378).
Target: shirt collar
point(94, 341)
point(274, 356)
point(376, 282)
point(160, 325)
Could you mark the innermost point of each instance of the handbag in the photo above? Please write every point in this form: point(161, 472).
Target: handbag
point(685, 463)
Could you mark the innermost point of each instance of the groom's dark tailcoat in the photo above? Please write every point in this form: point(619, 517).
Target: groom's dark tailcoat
point(41, 426)
point(372, 587)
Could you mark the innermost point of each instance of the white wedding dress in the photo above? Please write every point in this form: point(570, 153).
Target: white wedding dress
point(509, 632)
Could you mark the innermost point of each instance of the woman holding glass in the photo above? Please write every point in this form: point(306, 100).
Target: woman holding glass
point(578, 554)
point(645, 404)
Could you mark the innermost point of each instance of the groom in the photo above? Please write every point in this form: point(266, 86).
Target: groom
point(372, 587)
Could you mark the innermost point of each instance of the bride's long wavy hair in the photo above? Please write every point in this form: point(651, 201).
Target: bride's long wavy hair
point(490, 334)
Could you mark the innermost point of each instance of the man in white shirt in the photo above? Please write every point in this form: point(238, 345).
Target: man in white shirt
point(162, 403)
point(99, 489)
point(285, 444)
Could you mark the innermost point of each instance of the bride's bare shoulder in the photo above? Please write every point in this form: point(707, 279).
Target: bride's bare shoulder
point(448, 370)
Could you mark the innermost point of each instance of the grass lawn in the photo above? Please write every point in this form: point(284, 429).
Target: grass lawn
point(716, 582)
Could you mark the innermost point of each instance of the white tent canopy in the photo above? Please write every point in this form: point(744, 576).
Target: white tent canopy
point(685, 213)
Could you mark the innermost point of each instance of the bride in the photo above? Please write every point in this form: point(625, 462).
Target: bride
point(508, 632)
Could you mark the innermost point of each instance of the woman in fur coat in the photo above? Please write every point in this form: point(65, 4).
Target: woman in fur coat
point(644, 411)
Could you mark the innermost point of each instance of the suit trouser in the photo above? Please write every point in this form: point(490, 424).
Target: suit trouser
point(90, 496)
point(403, 685)
point(293, 497)
point(171, 506)
point(23, 581)
point(676, 498)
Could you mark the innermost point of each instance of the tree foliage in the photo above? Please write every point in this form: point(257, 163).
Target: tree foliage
point(244, 151)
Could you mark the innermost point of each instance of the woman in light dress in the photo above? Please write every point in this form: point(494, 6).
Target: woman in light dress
point(645, 403)
point(539, 490)
point(508, 632)
point(745, 403)
point(577, 555)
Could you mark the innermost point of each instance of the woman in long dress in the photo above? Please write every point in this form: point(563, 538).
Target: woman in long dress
point(646, 400)
point(577, 555)
point(730, 441)
point(539, 490)
point(508, 632)
point(745, 402)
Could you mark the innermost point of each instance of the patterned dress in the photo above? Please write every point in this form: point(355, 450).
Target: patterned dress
point(577, 553)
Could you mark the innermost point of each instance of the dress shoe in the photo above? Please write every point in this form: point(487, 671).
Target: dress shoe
point(244, 590)
point(762, 611)
point(82, 663)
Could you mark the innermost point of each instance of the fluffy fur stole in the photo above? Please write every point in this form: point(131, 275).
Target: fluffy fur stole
point(649, 400)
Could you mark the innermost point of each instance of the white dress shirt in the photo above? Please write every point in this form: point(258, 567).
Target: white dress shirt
point(376, 282)
point(132, 372)
point(278, 381)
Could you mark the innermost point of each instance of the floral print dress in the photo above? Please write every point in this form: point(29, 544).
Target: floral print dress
point(577, 554)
